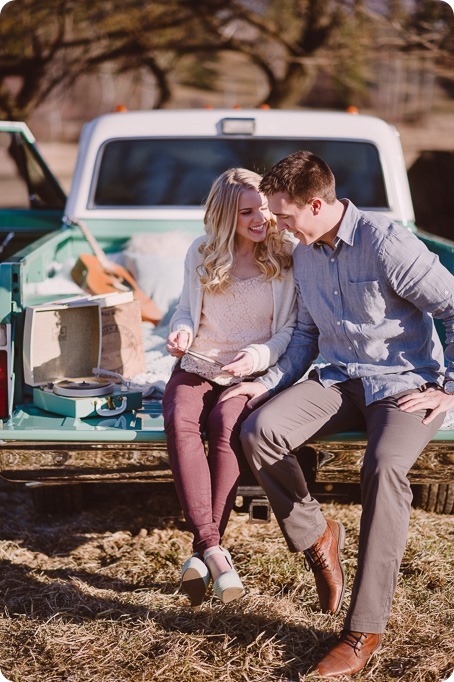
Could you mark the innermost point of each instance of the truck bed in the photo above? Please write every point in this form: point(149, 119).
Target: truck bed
point(42, 446)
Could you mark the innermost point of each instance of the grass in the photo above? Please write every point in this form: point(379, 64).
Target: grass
point(94, 596)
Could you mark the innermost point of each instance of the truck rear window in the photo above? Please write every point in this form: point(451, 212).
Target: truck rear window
point(179, 172)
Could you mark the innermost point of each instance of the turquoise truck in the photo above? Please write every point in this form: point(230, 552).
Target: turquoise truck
point(140, 179)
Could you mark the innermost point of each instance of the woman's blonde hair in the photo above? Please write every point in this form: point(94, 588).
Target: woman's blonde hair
point(273, 255)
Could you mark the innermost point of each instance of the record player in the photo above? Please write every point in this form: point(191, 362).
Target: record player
point(61, 355)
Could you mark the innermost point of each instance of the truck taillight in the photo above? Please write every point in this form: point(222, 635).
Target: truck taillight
point(4, 381)
point(5, 369)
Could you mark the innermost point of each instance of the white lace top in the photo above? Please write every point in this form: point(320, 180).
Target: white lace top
point(231, 320)
point(189, 310)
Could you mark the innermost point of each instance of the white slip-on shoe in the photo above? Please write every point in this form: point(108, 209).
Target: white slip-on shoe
point(228, 586)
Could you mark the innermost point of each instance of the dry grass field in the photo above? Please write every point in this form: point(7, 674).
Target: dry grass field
point(94, 596)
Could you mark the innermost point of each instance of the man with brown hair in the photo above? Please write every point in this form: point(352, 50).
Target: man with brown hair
point(368, 290)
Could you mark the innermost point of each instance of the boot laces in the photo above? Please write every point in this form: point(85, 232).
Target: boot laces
point(353, 639)
point(316, 558)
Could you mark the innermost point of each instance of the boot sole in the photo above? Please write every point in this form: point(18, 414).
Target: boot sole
point(232, 593)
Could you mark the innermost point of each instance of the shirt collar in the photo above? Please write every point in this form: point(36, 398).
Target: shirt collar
point(347, 227)
point(349, 223)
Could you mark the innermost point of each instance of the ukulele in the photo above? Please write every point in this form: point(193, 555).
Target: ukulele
point(97, 275)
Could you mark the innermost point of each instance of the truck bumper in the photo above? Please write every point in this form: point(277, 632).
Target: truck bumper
point(325, 462)
point(73, 462)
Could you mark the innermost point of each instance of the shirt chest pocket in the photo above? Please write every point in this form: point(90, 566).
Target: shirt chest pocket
point(365, 302)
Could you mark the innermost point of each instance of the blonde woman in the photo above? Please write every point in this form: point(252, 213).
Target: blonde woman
point(235, 318)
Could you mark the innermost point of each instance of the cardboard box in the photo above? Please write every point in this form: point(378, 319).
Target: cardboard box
point(122, 343)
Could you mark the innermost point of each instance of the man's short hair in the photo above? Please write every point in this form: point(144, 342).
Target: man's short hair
point(303, 176)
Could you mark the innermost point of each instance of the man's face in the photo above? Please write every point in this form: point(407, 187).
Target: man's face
point(300, 221)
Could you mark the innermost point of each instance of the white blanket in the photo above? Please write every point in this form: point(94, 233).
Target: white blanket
point(158, 363)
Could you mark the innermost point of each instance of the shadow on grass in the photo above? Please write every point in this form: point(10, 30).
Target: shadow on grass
point(23, 594)
point(107, 509)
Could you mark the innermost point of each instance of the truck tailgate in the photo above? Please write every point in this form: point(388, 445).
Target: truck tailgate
point(40, 446)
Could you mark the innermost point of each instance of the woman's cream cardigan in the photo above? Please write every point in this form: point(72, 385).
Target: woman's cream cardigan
point(187, 315)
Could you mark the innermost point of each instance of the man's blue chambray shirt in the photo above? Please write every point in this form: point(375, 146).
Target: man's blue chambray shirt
point(367, 308)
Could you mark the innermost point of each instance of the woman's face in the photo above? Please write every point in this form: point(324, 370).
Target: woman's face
point(253, 216)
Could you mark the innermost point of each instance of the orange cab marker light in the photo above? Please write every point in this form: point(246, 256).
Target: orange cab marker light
point(351, 109)
point(264, 106)
point(120, 108)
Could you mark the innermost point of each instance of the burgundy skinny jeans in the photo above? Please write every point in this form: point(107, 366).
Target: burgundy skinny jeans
point(206, 485)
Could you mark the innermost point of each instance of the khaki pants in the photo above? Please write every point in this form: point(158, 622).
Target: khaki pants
point(307, 410)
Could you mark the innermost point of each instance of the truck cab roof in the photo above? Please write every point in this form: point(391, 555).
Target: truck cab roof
point(127, 161)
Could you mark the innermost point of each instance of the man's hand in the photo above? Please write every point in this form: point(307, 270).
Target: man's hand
point(241, 365)
point(433, 399)
point(177, 343)
point(255, 390)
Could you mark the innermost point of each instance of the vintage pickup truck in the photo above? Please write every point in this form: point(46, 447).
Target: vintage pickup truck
point(147, 173)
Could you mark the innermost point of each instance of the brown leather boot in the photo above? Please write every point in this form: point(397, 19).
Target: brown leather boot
point(350, 654)
point(324, 560)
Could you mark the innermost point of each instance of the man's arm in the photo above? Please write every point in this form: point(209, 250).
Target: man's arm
point(299, 355)
point(417, 275)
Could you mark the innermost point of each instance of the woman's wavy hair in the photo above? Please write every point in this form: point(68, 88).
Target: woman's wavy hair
point(273, 255)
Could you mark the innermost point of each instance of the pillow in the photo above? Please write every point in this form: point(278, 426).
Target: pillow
point(156, 261)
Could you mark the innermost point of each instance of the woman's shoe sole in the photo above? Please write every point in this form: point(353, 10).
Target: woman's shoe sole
point(232, 593)
point(228, 587)
point(194, 585)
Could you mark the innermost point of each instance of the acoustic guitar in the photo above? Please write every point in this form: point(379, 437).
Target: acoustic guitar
point(97, 275)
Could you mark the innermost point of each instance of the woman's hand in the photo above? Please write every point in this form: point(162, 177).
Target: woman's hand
point(256, 391)
point(177, 343)
point(241, 366)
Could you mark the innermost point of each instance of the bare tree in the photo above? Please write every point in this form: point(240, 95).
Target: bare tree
point(32, 53)
point(57, 41)
point(290, 41)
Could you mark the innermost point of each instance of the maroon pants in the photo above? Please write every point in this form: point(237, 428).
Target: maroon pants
point(206, 485)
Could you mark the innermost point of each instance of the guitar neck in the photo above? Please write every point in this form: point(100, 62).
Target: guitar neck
point(95, 247)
